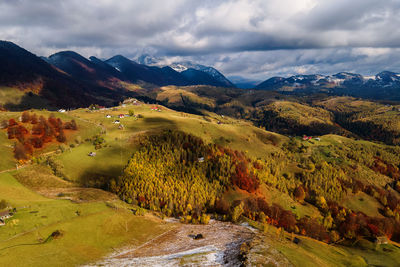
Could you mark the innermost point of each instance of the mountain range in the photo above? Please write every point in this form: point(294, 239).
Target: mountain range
point(67, 79)
point(384, 85)
point(187, 68)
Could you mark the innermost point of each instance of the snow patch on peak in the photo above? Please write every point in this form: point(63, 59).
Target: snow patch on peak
point(369, 77)
point(178, 67)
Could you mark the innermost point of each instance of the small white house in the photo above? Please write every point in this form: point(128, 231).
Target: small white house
point(117, 122)
point(201, 159)
point(108, 116)
point(317, 138)
point(92, 154)
point(5, 215)
point(61, 110)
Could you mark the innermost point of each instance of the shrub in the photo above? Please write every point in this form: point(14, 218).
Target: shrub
point(3, 204)
point(63, 148)
point(299, 194)
point(237, 212)
point(78, 140)
point(204, 219)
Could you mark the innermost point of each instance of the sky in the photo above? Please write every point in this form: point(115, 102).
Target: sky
point(256, 39)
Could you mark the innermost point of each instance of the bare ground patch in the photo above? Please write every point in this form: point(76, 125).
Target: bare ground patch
point(220, 246)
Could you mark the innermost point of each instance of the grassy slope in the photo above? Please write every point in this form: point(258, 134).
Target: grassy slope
point(15, 99)
point(60, 214)
point(363, 203)
point(173, 95)
point(310, 252)
point(86, 130)
point(301, 113)
point(86, 238)
point(386, 115)
point(111, 159)
point(7, 159)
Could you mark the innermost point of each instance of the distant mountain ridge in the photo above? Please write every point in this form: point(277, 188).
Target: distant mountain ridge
point(380, 86)
point(385, 78)
point(28, 73)
point(184, 66)
point(67, 79)
point(216, 77)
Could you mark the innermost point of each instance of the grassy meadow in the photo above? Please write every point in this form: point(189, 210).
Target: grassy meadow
point(89, 230)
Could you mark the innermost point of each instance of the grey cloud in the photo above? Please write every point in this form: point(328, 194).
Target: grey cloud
point(241, 37)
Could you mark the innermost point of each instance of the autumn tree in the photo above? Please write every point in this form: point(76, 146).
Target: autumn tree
point(73, 125)
point(61, 136)
point(299, 194)
point(34, 118)
point(12, 132)
point(11, 122)
point(36, 142)
point(52, 120)
point(19, 152)
point(25, 117)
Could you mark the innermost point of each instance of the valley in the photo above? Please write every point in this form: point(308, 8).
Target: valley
point(200, 133)
point(62, 187)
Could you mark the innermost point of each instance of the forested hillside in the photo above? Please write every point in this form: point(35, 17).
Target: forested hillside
point(180, 175)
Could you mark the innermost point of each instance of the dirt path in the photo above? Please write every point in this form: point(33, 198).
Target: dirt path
point(14, 169)
point(220, 246)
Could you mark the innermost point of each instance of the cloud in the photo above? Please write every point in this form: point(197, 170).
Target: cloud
point(252, 38)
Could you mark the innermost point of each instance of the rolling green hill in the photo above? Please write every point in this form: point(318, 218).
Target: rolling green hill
point(335, 189)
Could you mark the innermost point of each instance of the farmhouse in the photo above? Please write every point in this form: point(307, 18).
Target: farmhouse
point(92, 154)
point(121, 116)
point(381, 240)
point(117, 122)
point(155, 108)
point(108, 116)
point(61, 110)
point(4, 215)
